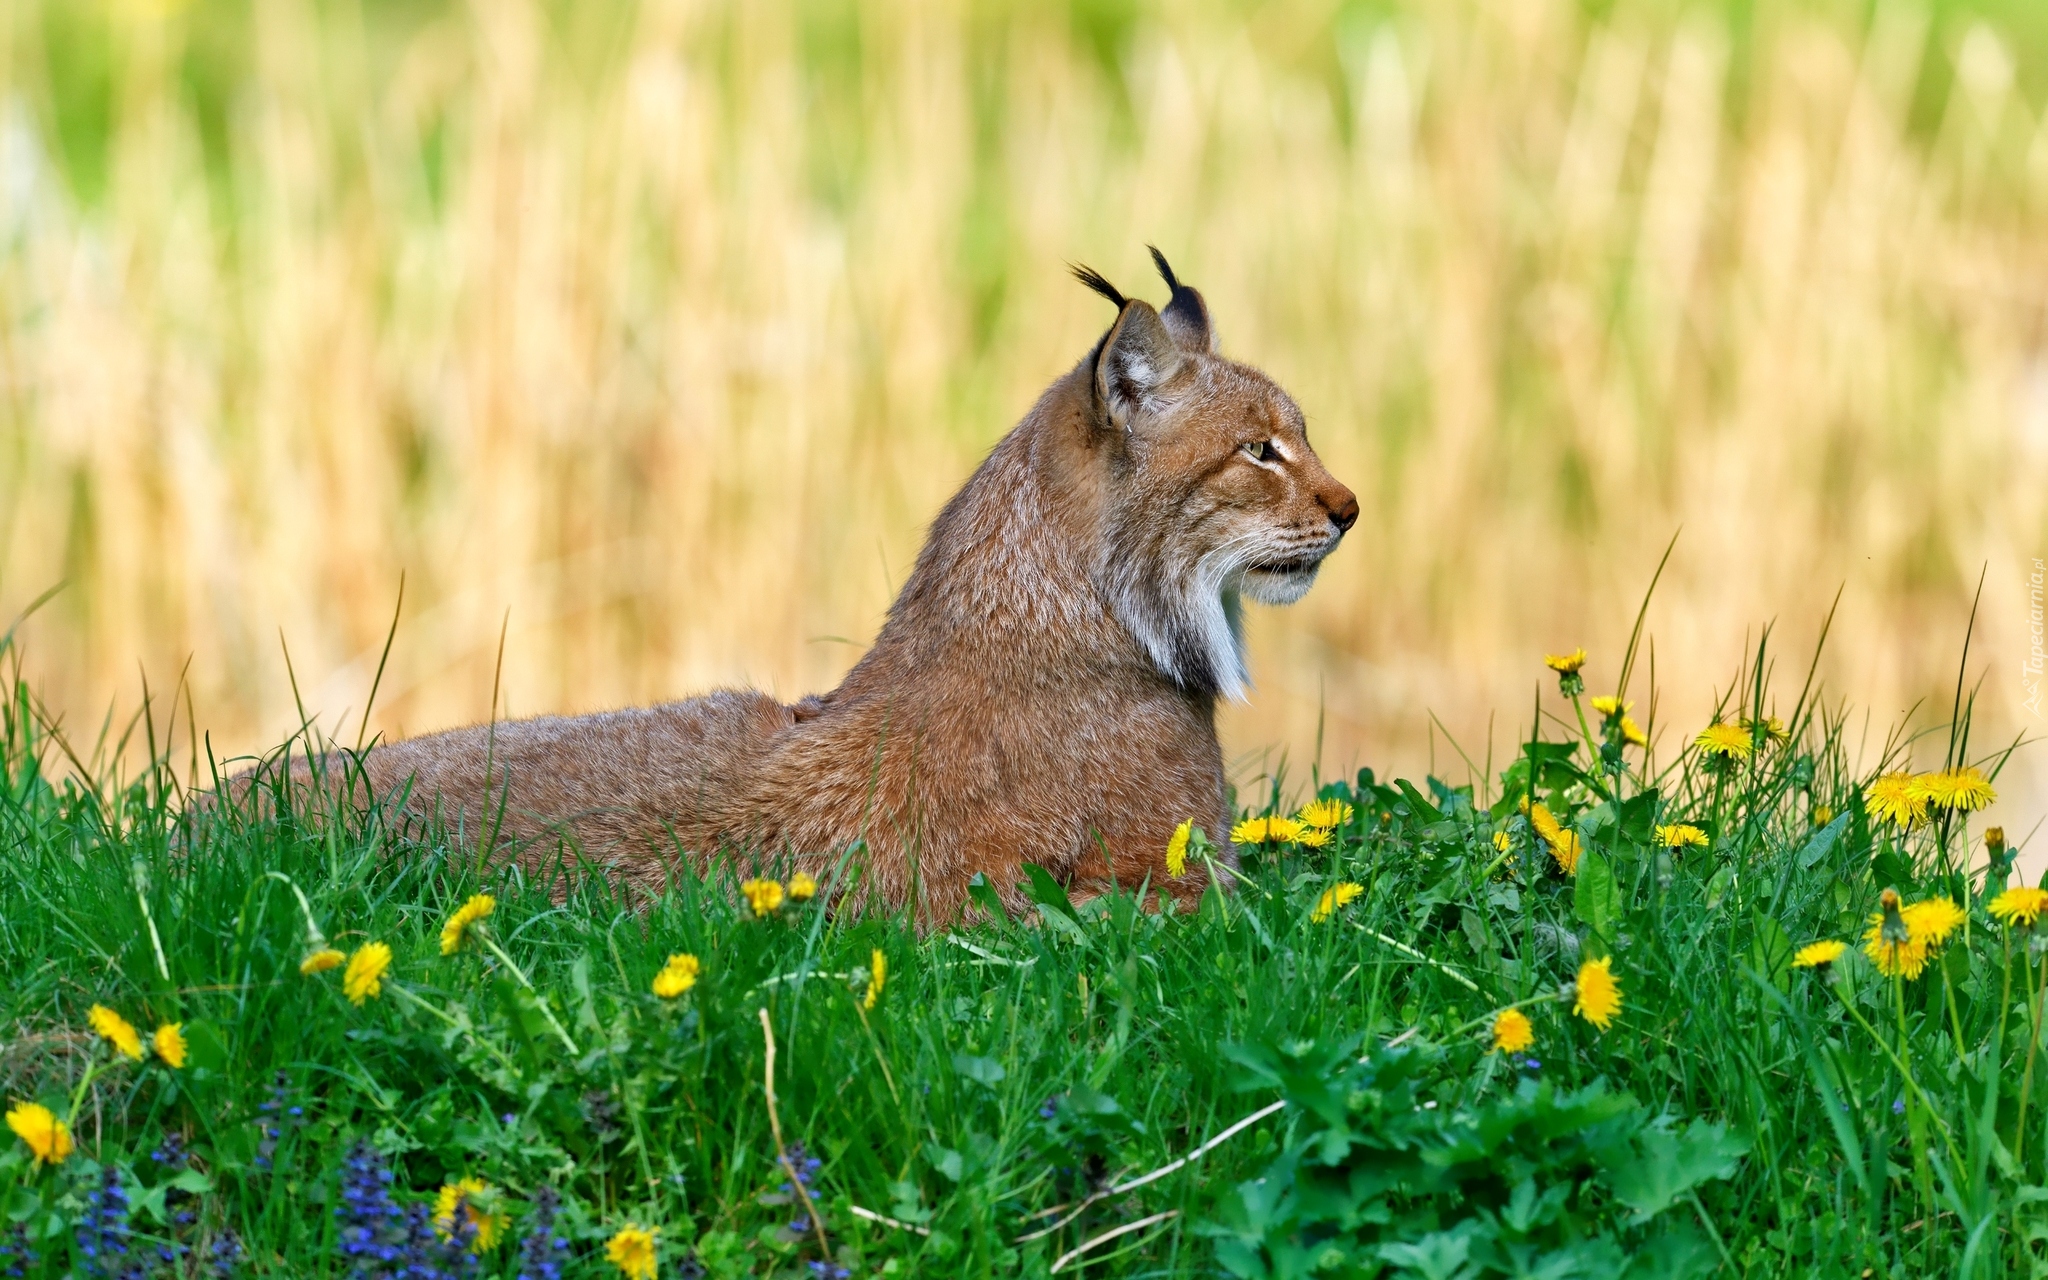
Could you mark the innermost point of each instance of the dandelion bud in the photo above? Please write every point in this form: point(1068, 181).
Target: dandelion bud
point(1994, 841)
point(1893, 929)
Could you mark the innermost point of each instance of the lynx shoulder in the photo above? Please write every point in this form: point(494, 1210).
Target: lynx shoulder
point(1044, 688)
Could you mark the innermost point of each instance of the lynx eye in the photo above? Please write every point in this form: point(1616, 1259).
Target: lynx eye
point(1259, 450)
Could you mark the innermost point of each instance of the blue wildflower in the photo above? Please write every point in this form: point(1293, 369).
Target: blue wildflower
point(372, 1226)
point(103, 1231)
point(280, 1113)
point(427, 1256)
point(223, 1254)
point(172, 1157)
point(540, 1249)
point(16, 1257)
point(830, 1271)
point(806, 1167)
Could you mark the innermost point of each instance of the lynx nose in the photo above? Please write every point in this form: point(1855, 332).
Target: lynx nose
point(1345, 513)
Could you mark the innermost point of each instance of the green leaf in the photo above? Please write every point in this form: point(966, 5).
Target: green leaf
point(525, 1016)
point(1770, 951)
point(1418, 804)
point(1669, 1164)
point(1596, 901)
point(1890, 867)
point(1719, 883)
point(1053, 907)
point(1043, 889)
point(1823, 841)
point(986, 897)
point(949, 1163)
point(981, 1070)
point(586, 1004)
point(205, 1048)
point(21, 1203)
point(1439, 1255)
point(1639, 816)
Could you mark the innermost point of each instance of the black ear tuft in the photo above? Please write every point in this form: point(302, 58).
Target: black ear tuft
point(1165, 271)
point(1093, 279)
point(1186, 315)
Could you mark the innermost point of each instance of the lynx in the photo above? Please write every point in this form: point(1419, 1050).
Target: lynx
point(1044, 688)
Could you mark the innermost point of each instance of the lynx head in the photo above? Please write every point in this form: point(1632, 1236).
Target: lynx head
point(1213, 492)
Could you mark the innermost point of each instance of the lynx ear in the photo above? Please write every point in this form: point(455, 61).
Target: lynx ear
point(1136, 363)
point(1186, 315)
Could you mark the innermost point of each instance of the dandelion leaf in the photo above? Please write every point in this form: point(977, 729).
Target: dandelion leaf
point(1596, 900)
point(1418, 804)
point(1638, 816)
point(1823, 842)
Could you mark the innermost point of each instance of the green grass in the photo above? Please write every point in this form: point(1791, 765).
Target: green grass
point(1013, 1066)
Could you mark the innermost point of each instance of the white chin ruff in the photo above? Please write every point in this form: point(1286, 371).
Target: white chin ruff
point(1277, 588)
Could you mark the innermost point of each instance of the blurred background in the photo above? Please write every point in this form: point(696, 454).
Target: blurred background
point(654, 334)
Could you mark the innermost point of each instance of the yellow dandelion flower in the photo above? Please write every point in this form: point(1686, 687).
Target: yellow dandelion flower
point(321, 961)
point(465, 915)
point(1503, 842)
point(1565, 664)
point(2020, 906)
point(48, 1139)
point(1896, 798)
point(1932, 920)
point(1274, 830)
point(762, 895)
point(1632, 733)
point(1334, 898)
point(169, 1043)
point(1566, 848)
point(1610, 706)
point(677, 976)
point(1679, 835)
point(1324, 815)
point(1957, 789)
point(1728, 741)
point(802, 887)
point(1818, 955)
point(1599, 995)
point(1823, 814)
point(631, 1249)
point(1890, 943)
point(117, 1030)
point(878, 973)
point(489, 1227)
point(1541, 819)
point(1312, 838)
point(364, 979)
point(1512, 1032)
point(1177, 849)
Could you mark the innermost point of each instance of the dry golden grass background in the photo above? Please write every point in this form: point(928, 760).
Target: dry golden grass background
point(656, 333)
